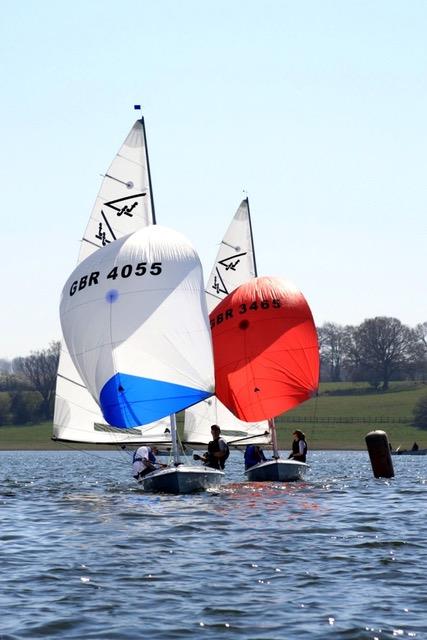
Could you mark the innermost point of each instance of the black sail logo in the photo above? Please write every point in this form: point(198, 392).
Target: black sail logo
point(224, 267)
point(124, 208)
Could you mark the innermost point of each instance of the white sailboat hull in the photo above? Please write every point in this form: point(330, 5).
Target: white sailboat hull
point(182, 479)
point(277, 471)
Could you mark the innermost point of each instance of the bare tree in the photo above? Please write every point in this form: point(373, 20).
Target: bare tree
point(5, 366)
point(418, 355)
point(40, 368)
point(383, 345)
point(333, 340)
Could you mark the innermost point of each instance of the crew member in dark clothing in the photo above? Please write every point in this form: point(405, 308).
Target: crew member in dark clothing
point(253, 455)
point(218, 450)
point(299, 447)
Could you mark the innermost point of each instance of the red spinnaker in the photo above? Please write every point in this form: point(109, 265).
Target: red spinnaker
point(266, 351)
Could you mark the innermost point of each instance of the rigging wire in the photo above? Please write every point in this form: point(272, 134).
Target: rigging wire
point(94, 455)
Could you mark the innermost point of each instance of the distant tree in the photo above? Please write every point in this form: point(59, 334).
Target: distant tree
point(14, 382)
point(333, 341)
point(383, 346)
point(26, 406)
point(418, 352)
point(5, 366)
point(40, 368)
point(420, 413)
point(421, 333)
point(5, 404)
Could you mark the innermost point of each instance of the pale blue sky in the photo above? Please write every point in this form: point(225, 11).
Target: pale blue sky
point(317, 109)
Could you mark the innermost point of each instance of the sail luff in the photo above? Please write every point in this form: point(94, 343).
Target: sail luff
point(252, 238)
point(150, 185)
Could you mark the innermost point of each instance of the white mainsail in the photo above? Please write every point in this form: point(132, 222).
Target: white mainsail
point(135, 322)
point(235, 264)
point(123, 205)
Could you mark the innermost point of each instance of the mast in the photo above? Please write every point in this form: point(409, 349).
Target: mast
point(252, 237)
point(273, 432)
point(175, 450)
point(137, 107)
point(150, 186)
point(271, 423)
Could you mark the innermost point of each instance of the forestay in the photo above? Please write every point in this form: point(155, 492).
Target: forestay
point(135, 322)
point(123, 205)
point(265, 349)
point(235, 264)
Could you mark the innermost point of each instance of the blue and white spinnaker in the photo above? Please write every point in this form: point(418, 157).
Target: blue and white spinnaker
point(135, 322)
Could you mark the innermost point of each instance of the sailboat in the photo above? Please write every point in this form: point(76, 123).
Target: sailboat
point(266, 360)
point(135, 322)
point(124, 204)
point(235, 264)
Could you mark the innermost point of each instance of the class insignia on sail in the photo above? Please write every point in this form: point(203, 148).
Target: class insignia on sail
point(266, 350)
point(135, 322)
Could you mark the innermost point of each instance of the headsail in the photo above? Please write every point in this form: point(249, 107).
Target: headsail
point(135, 321)
point(234, 265)
point(265, 349)
point(120, 208)
point(124, 202)
point(235, 261)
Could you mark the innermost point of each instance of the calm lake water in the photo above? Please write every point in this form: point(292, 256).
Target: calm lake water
point(84, 554)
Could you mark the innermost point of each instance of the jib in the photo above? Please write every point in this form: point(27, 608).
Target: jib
point(85, 281)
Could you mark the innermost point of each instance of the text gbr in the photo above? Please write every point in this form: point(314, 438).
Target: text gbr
point(275, 303)
point(91, 279)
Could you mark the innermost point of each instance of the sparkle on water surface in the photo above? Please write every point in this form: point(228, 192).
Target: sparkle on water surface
point(86, 554)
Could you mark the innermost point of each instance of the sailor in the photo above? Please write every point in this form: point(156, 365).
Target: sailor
point(253, 455)
point(299, 447)
point(218, 450)
point(144, 461)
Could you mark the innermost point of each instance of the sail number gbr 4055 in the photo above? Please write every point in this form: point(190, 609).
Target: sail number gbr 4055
point(126, 271)
point(256, 305)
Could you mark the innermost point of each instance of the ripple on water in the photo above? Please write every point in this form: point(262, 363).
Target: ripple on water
point(86, 554)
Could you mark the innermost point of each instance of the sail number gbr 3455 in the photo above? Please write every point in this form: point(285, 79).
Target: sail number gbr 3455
point(126, 271)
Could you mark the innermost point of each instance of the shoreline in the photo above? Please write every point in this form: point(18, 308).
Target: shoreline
point(336, 437)
point(75, 447)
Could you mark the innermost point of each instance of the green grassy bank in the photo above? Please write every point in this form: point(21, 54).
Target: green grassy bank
point(339, 418)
